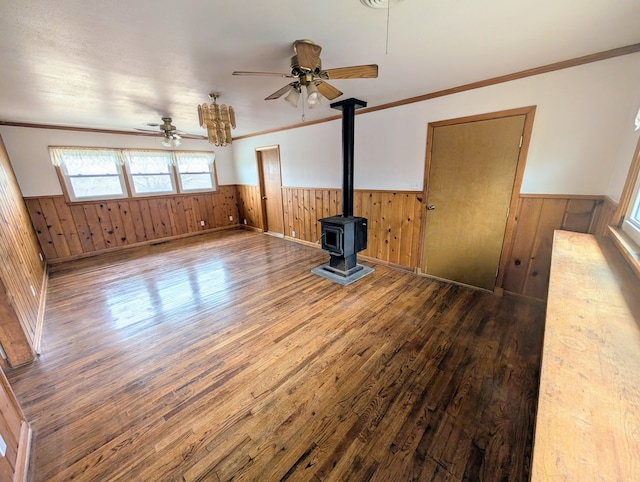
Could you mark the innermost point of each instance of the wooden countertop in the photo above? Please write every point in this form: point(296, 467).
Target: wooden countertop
point(588, 422)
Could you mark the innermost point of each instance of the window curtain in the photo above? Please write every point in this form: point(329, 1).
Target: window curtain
point(87, 155)
point(209, 157)
point(140, 154)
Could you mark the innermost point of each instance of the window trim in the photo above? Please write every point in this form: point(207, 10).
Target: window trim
point(125, 180)
point(629, 247)
point(65, 179)
point(213, 173)
point(130, 176)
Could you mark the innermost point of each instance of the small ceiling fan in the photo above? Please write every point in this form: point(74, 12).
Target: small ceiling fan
point(172, 136)
point(306, 68)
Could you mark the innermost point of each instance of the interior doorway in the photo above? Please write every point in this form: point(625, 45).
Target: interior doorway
point(473, 174)
point(270, 181)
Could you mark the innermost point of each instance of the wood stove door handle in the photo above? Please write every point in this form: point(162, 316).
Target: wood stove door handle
point(264, 198)
point(431, 207)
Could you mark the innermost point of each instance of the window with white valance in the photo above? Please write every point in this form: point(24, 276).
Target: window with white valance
point(150, 172)
point(98, 174)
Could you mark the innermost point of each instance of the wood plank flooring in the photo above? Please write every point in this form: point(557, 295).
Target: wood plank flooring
point(221, 357)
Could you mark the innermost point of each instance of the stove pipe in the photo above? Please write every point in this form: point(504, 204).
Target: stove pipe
point(348, 108)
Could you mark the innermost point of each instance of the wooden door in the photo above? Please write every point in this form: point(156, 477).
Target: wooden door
point(471, 174)
point(271, 189)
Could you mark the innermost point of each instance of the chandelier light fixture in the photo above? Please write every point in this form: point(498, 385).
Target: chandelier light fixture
point(218, 120)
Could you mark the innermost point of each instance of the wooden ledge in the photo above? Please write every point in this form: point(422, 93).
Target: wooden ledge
point(588, 418)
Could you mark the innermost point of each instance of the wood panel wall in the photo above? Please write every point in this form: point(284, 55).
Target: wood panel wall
point(72, 230)
point(393, 227)
point(538, 217)
point(395, 222)
point(249, 208)
point(15, 432)
point(603, 217)
point(21, 270)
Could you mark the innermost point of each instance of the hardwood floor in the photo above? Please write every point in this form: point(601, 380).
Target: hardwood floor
point(221, 357)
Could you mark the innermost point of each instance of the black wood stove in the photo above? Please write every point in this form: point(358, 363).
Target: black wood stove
point(346, 235)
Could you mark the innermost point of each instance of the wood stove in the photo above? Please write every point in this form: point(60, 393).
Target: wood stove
point(342, 238)
point(345, 235)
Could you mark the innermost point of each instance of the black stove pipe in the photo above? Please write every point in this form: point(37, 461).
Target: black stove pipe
point(348, 108)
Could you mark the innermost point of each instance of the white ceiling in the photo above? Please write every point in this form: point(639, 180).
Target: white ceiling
point(121, 64)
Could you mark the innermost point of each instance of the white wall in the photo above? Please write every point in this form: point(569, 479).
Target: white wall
point(581, 142)
point(28, 151)
point(623, 160)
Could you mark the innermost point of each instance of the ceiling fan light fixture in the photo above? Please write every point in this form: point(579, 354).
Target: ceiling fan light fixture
point(313, 96)
point(293, 96)
point(218, 120)
point(171, 140)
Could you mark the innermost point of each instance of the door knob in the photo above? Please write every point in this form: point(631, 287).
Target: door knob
point(431, 207)
point(264, 197)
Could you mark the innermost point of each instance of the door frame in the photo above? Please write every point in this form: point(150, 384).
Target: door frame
point(507, 242)
point(261, 188)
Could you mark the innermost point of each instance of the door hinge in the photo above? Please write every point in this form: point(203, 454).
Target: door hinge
point(521, 139)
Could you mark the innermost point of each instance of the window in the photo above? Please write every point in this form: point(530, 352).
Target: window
point(626, 230)
point(631, 223)
point(150, 172)
point(195, 171)
point(89, 174)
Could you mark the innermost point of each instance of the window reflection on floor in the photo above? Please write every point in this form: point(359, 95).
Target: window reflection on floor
point(178, 293)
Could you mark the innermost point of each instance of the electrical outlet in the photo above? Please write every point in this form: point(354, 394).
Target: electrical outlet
point(201, 223)
point(293, 234)
point(230, 218)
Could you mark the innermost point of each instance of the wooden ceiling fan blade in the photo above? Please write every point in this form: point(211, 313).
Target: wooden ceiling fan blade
point(308, 54)
point(279, 93)
point(187, 135)
point(263, 74)
point(153, 131)
point(327, 90)
point(369, 71)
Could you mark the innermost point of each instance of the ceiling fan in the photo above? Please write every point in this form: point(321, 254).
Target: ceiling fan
point(172, 136)
point(306, 68)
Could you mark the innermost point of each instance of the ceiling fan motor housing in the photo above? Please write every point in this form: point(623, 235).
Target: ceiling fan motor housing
point(167, 126)
point(297, 71)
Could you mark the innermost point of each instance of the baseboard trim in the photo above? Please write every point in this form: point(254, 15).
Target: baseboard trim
point(142, 243)
point(37, 336)
point(252, 228)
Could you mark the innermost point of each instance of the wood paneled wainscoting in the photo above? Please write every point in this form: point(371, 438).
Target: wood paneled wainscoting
point(73, 230)
point(529, 262)
point(249, 208)
point(395, 224)
point(22, 273)
point(393, 220)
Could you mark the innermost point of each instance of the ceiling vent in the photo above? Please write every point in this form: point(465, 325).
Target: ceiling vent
point(380, 3)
